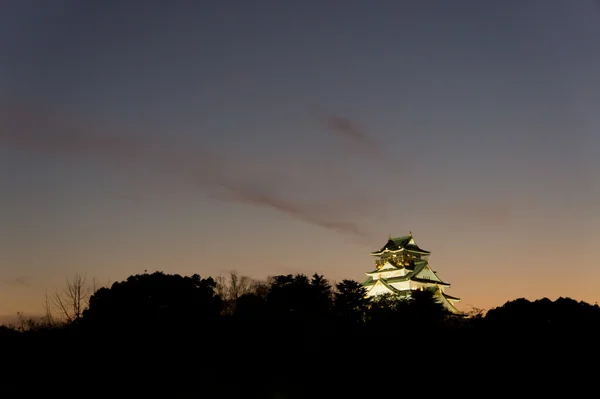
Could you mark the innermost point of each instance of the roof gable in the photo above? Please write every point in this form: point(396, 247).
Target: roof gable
point(388, 266)
point(401, 243)
point(426, 273)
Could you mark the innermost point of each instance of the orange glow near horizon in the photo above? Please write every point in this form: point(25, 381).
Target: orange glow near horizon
point(220, 154)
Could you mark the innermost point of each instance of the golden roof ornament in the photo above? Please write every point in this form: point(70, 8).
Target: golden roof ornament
point(410, 233)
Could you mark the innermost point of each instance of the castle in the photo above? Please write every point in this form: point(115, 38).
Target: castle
point(402, 266)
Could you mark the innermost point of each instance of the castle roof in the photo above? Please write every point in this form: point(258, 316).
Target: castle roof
point(414, 269)
point(411, 275)
point(401, 261)
point(401, 243)
point(450, 297)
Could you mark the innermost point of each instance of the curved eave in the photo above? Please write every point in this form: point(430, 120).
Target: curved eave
point(376, 271)
point(393, 251)
point(424, 280)
point(398, 279)
point(382, 251)
point(371, 284)
point(450, 297)
point(391, 280)
point(417, 250)
point(388, 266)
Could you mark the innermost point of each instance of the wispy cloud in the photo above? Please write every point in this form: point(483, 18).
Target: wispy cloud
point(363, 142)
point(322, 215)
point(19, 281)
point(350, 131)
point(344, 127)
point(42, 131)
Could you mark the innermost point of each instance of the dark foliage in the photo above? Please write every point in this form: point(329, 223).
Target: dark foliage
point(160, 335)
point(156, 302)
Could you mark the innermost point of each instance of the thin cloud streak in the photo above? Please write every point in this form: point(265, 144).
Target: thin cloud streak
point(20, 281)
point(318, 215)
point(350, 130)
point(42, 131)
point(344, 127)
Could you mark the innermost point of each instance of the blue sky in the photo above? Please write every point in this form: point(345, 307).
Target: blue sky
point(274, 137)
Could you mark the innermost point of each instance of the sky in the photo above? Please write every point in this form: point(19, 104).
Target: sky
point(272, 137)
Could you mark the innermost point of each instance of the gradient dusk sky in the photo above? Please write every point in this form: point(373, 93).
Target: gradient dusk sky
point(276, 137)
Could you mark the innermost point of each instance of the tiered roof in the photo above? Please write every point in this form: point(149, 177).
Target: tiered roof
point(419, 265)
point(413, 269)
point(400, 243)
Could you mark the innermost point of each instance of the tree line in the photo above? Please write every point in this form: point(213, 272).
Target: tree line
point(157, 332)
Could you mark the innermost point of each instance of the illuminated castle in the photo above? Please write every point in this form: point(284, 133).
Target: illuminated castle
point(400, 267)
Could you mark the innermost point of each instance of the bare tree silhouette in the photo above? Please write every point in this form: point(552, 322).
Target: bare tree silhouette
point(73, 299)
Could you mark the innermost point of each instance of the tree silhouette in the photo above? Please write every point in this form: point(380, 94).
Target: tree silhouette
point(321, 296)
point(73, 299)
point(286, 297)
point(425, 310)
point(172, 330)
point(350, 301)
point(154, 301)
point(251, 306)
point(385, 308)
point(231, 288)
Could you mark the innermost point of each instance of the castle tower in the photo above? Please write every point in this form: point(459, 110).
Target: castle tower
point(402, 266)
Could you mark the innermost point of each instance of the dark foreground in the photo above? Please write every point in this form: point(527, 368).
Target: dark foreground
point(295, 361)
point(158, 336)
